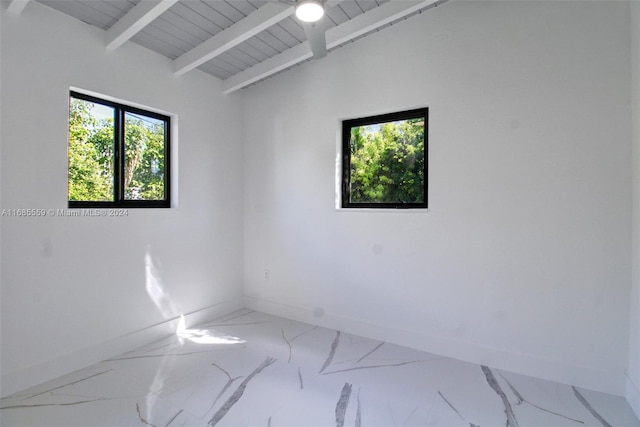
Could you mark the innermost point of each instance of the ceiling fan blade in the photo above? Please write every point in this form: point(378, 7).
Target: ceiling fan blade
point(316, 38)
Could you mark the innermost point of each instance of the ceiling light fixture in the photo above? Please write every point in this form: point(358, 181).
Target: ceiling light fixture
point(309, 10)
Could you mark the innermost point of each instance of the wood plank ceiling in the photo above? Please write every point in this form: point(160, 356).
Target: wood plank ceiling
point(238, 41)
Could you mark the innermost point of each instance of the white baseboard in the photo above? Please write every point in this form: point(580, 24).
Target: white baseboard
point(16, 381)
point(585, 377)
point(633, 396)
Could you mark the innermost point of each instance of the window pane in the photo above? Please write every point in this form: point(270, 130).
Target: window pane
point(387, 162)
point(144, 174)
point(91, 145)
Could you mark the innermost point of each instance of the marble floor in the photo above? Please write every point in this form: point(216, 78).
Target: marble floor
point(254, 369)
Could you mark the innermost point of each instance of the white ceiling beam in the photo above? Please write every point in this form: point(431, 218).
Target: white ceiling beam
point(17, 6)
point(268, 67)
point(254, 23)
point(316, 37)
point(135, 20)
point(349, 30)
point(375, 18)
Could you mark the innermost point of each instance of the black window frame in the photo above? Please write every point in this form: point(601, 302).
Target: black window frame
point(347, 125)
point(118, 174)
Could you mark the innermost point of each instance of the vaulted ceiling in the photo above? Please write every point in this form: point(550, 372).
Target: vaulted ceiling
point(238, 41)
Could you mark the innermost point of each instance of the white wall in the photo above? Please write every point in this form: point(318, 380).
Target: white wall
point(633, 378)
point(522, 261)
point(74, 289)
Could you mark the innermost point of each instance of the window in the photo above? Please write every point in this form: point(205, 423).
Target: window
point(118, 155)
point(384, 161)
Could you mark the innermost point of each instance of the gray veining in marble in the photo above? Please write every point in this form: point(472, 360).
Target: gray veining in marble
point(277, 372)
point(332, 352)
point(455, 410)
point(300, 378)
point(521, 399)
point(508, 410)
point(233, 399)
point(358, 422)
point(589, 407)
point(343, 402)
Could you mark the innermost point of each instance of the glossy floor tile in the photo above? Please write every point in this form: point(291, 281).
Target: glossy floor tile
point(253, 369)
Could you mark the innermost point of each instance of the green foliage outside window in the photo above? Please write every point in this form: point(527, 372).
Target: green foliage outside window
point(144, 159)
point(92, 146)
point(387, 163)
point(90, 168)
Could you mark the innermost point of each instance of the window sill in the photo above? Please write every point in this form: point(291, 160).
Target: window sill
point(384, 210)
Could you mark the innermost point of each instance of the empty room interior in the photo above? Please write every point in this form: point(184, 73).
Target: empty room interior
point(261, 270)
